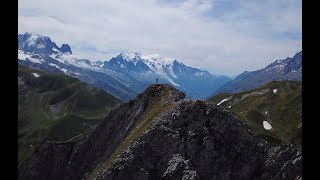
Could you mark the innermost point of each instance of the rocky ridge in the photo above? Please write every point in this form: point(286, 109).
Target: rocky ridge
point(162, 135)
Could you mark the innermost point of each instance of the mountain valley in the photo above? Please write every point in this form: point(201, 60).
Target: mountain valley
point(56, 107)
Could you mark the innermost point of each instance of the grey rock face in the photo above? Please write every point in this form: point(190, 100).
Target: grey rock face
point(47, 162)
point(65, 48)
point(106, 137)
point(193, 140)
point(197, 140)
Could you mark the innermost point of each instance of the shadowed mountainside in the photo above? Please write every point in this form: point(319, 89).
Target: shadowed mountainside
point(56, 107)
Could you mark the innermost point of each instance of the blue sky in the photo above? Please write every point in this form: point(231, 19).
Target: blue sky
point(221, 36)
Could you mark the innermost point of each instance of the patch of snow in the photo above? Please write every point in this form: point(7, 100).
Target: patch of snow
point(25, 55)
point(67, 58)
point(55, 49)
point(22, 56)
point(223, 100)
point(77, 73)
point(229, 107)
point(53, 56)
point(36, 75)
point(34, 60)
point(54, 65)
point(75, 60)
point(266, 125)
point(275, 91)
point(64, 70)
point(121, 65)
point(266, 112)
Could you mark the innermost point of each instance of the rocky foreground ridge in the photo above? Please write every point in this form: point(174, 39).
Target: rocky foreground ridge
point(162, 135)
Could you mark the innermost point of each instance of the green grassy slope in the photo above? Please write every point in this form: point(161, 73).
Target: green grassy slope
point(283, 110)
point(56, 107)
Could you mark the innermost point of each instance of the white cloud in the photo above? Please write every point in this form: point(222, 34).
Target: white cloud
point(245, 37)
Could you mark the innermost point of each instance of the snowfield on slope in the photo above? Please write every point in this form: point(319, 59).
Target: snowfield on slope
point(222, 101)
point(36, 75)
point(27, 56)
point(267, 125)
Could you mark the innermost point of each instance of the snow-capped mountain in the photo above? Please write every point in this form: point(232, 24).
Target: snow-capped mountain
point(286, 69)
point(124, 76)
point(40, 52)
point(38, 44)
point(149, 67)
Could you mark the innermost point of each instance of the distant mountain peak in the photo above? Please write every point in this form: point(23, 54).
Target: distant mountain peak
point(129, 72)
point(39, 44)
point(285, 69)
point(132, 55)
point(65, 48)
point(33, 37)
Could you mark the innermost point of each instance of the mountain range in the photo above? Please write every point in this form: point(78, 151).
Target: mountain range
point(79, 119)
point(124, 76)
point(286, 69)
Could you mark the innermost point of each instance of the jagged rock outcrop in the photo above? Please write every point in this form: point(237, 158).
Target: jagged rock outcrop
point(65, 48)
point(161, 135)
point(197, 140)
